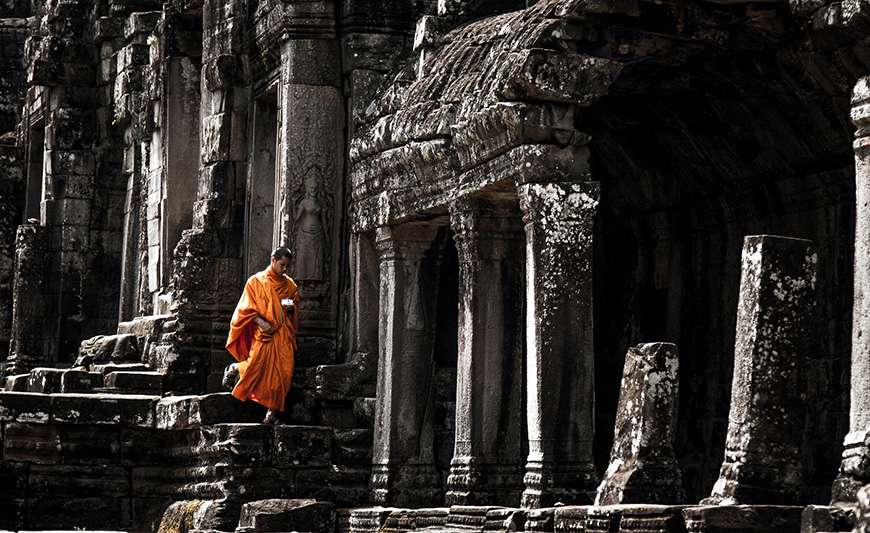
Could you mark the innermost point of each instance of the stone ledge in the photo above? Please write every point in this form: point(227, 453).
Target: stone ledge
point(185, 412)
point(95, 409)
point(743, 518)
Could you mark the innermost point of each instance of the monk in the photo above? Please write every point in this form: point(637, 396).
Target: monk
point(263, 335)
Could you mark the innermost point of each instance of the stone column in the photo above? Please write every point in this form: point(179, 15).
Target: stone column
point(310, 199)
point(364, 289)
point(855, 466)
point(26, 349)
point(643, 468)
point(403, 469)
point(487, 465)
point(559, 354)
point(765, 424)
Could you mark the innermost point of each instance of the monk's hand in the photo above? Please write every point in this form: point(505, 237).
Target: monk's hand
point(265, 325)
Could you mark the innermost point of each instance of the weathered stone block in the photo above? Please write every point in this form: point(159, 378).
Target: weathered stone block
point(24, 407)
point(302, 446)
point(106, 348)
point(343, 485)
point(742, 518)
point(353, 446)
point(80, 381)
point(180, 412)
point(818, 518)
point(135, 381)
point(31, 443)
point(288, 515)
point(44, 380)
point(17, 383)
point(236, 443)
point(123, 409)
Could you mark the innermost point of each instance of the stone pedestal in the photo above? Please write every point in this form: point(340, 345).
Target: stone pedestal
point(765, 428)
point(403, 469)
point(487, 464)
point(559, 353)
point(27, 350)
point(855, 467)
point(643, 468)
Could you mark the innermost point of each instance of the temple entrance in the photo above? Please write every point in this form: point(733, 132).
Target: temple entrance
point(260, 194)
point(675, 209)
point(35, 171)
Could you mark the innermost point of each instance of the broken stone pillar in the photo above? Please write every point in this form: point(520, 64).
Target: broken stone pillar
point(765, 425)
point(559, 353)
point(403, 469)
point(26, 347)
point(643, 468)
point(487, 464)
point(855, 466)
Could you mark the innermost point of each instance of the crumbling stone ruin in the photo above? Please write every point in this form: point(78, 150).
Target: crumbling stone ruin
point(565, 265)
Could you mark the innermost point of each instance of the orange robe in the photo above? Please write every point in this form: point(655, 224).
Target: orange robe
point(265, 360)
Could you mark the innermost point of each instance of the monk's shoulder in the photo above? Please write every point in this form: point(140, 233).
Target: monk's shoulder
point(290, 282)
point(257, 279)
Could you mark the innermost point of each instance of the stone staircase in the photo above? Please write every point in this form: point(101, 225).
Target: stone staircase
point(107, 434)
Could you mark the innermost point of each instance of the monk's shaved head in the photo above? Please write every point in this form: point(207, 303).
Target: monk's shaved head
point(281, 253)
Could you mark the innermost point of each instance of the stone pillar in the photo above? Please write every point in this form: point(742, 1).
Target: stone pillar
point(855, 466)
point(403, 468)
point(643, 468)
point(11, 206)
point(487, 465)
point(310, 206)
point(559, 353)
point(364, 295)
point(27, 343)
point(765, 424)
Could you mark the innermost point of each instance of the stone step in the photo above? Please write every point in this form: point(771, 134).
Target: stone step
point(135, 380)
point(17, 383)
point(107, 368)
point(147, 327)
point(185, 412)
point(63, 408)
point(310, 516)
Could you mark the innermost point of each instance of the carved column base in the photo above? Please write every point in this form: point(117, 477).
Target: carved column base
point(550, 482)
point(473, 483)
point(405, 485)
point(741, 483)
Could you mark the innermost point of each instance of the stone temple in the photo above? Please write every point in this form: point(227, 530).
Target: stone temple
point(565, 266)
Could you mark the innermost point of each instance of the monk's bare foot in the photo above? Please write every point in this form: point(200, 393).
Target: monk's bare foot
point(271, 417)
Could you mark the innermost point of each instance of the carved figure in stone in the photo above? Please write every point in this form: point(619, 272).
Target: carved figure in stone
point(263, 336)
point(311, 236)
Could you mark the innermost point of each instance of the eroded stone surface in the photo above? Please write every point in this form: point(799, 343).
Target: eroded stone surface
point(643, 467)
point(777, 296)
